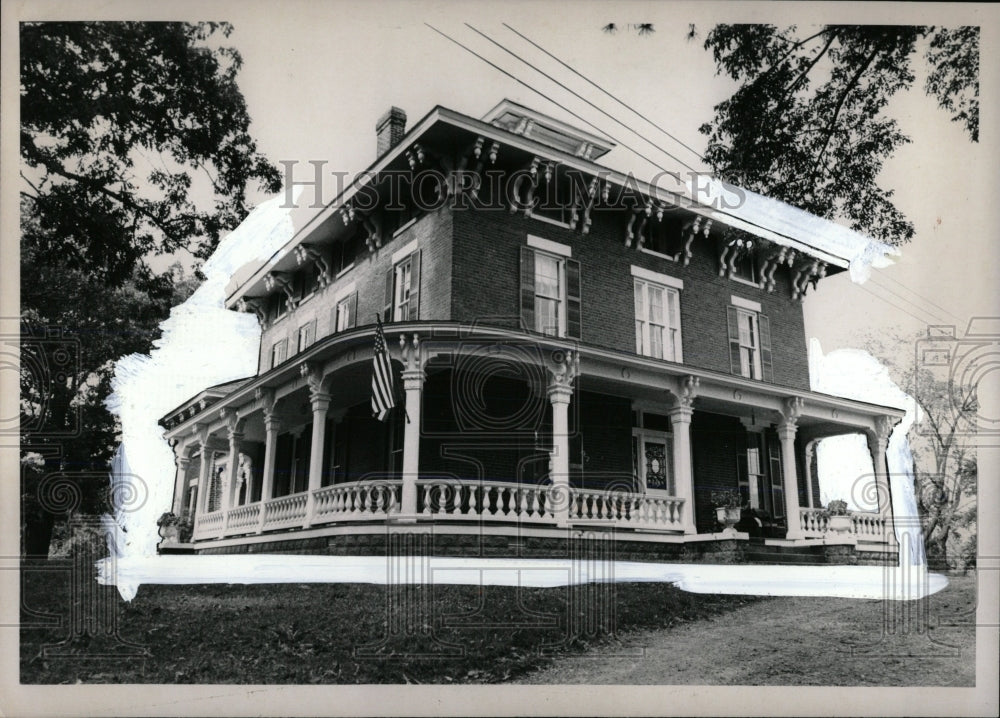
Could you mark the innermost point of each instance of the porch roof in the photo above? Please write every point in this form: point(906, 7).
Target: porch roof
point(615, 370)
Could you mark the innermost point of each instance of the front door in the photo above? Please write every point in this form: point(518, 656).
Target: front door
point(760, 475)
point(655, 475)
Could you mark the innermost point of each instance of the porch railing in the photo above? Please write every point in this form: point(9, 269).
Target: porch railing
point(864, 525)
point(357, 501)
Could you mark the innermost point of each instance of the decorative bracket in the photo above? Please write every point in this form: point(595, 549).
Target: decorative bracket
point(586, 203)
point(731, 252)
point(252, 304)
point(692, 230)
point(282, 280)
point(687, 391)
point(812, 270)
point(315, 380)
point(410, 353)
point(305, 253)
point(234, 424)
point(372, 222)
point(774, 259)
point(791, 410)
point(564, 368)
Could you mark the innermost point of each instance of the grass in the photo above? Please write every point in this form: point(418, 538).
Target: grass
point(331, 633)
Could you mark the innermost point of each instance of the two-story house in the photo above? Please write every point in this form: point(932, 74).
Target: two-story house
point(574, 350)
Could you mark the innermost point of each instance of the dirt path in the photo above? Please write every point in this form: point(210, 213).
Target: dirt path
point(796, 641)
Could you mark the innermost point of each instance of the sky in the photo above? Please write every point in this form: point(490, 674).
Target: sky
point(317, 76)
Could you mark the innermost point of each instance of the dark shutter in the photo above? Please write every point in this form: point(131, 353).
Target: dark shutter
point(414, 313)
point(528, 288)
point(777, 479)
point(573, 324)
point(352, 319)
point(390, 277)
point(765, 347)
point(734, 341)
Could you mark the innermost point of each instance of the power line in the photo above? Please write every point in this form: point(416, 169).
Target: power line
point(594, 84)
point(581, 97)
point(920, 296)
point(542, 95)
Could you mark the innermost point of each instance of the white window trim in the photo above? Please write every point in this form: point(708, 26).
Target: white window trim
point(405, 251)
point(671, 257)
point(657, 278)
point(745, 281)
point(336, 312)
point(549, 220)
point(547, 245)
point(757, 369)
point(679, 346)
point(344, 271)
point(344, 291)
point(563, 295)
point(745, 304)
point(404, 227)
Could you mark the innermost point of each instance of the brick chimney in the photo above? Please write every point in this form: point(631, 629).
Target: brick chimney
point(390, 129)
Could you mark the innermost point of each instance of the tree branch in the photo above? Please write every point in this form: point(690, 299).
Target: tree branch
point(843, 98)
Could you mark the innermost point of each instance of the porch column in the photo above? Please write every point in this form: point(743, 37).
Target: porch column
point(789, 474)
point(320, 402)
point(182, 461)
point(680, 423)
point(810, 452)
point(413, 383)
point(271, 427)
point(203, 473)
point(234, 427)
point(560, 392)
point(878, 444)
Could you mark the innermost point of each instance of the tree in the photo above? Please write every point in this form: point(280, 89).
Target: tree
point(808, 122)
point(945, 468)
point(134, 142)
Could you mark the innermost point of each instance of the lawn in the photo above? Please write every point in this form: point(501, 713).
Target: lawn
point(329, 633)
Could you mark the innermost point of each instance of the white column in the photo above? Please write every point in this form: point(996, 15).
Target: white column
point(203, 477)
point(182, 461)
point(235, 431)
point(320, 402)
point(810, 450)
point(560, 392)
point(271, 427)
point(878, 444)
point(413, 385)
point(790, 478)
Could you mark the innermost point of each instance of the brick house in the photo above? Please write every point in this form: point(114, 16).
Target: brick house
point(574, 351)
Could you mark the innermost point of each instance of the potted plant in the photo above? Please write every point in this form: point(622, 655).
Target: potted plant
point(728, 506)
point(840, 520)
point(168, 524)
point(185, 527)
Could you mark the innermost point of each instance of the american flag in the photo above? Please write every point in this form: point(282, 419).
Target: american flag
point(383, 390)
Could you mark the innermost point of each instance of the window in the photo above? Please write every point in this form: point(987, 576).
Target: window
point(745, 268)
point(279, 351)
point(345, 252)
point(402, 286)
point(278, 305)
point(550, 289)
point(664, 237)
point(345, 313)
point(652, 454)
point(749, 341)
point(307, 335)
point(657, 321)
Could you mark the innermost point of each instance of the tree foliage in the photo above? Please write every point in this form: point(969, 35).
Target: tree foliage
point(134, 142)
point(945, 467)
point(808, 123)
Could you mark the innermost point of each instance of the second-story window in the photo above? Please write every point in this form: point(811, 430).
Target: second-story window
point(402, 286)
point(749, 341)
point(657, 321)
point(307, 335)
point(550, 289)
point(346, 312)
point(279, 351)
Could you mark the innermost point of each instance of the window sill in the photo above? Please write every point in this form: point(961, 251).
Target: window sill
point(746, 281)
point(343, 271)
point(404, 227)
point(549, 220)
point(671, 257)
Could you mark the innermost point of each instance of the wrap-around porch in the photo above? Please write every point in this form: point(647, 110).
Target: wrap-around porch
point(503, 429)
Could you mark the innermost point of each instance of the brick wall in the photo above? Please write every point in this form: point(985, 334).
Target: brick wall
point(485, 283)
point(716, 442)
point(433, 234)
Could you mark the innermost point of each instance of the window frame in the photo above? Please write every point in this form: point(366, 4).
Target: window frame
point(304, 331)
point(671, 305)
point(281, 344)
point(560, 301)
point(754, 363)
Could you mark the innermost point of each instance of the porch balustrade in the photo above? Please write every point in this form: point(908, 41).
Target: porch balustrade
point(865, 525)
point(495, 502)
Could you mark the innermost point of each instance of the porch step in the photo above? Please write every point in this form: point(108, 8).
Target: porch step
point(785, 555)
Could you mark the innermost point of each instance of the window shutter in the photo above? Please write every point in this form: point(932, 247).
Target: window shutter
point(352, 317)
point(390, 279)
point(764, 325)
point(414, 313)
point(528, 288)
point(777, 486)
point(734, 341)
point(573, 323)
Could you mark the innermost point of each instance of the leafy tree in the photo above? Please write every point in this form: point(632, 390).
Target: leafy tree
point(808, 122)
point(134, 142)
point(945, 467)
